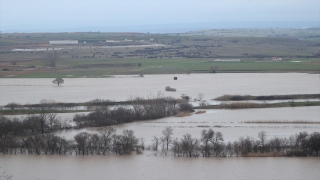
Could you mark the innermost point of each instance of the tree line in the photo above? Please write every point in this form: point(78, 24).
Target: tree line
point(104, 142)
point(211, 144)
point(139, 109)
point(32, 134)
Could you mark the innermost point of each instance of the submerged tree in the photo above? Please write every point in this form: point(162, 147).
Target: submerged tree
point(167, 135)
point(58, 81)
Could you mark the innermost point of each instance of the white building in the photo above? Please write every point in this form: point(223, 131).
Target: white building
point(128, 40)
point(111, 41)
point(64, 42)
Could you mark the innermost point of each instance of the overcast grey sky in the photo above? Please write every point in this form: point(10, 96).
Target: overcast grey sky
point(59, 14)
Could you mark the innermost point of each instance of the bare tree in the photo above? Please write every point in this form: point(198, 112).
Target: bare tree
point(137, 106)
point(176, 147)
point(200, 96)
point(217, 141)
point(82, 140)
point(58, 81)
point(262, 136)
point(50, 58)
point(167, 135)
point(189, 145)
point(206, 138)
point(155, 143)
point(53, 121)
point(314, 143)
point(43, 118)
point(106, 137)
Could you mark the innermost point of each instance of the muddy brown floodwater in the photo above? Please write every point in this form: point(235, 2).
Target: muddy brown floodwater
point(211, 85)
point(148, 166)
point(229, 122)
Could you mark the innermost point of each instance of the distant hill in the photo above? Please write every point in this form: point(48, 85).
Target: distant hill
point(175, 28)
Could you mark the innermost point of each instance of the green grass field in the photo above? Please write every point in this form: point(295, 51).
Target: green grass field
point(68, 68)
point(192, 52)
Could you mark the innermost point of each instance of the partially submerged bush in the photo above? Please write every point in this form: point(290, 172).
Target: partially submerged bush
point(183, 114)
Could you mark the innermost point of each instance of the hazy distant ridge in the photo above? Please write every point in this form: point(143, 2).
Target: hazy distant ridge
point(176, 28)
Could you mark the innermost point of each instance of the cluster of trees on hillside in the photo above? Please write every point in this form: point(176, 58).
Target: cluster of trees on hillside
point(139, 109)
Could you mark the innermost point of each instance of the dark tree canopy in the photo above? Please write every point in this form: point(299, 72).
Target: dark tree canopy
point(58, 81)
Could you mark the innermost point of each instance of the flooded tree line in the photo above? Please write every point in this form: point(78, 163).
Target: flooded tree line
point(211, 144)
point(33, 134)
point(105, 142)
point(139, 109)
point(40, 125)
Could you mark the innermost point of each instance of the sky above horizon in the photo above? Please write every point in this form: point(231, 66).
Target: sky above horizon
point(58, 14)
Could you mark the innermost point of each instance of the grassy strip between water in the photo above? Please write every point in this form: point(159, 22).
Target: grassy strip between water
point(33, 111)
point(262, 98)
point(200, 112)
point(96, 102)
point(236, 105)
point(246, 105)
point(282, 122)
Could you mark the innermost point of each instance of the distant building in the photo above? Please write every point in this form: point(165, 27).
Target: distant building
point(276, 59)
point(111, 41)
point(128, 40)
point(64, 42)
point(227, 60)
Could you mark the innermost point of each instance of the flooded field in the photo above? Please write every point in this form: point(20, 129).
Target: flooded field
point(229, 122)
point(211, 85)
point(147, 166)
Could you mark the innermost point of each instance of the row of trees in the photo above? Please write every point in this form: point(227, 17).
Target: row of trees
point(32, 124)
point(211, 144)
point(104, 142)
point(10, 128)
point(139, 109)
